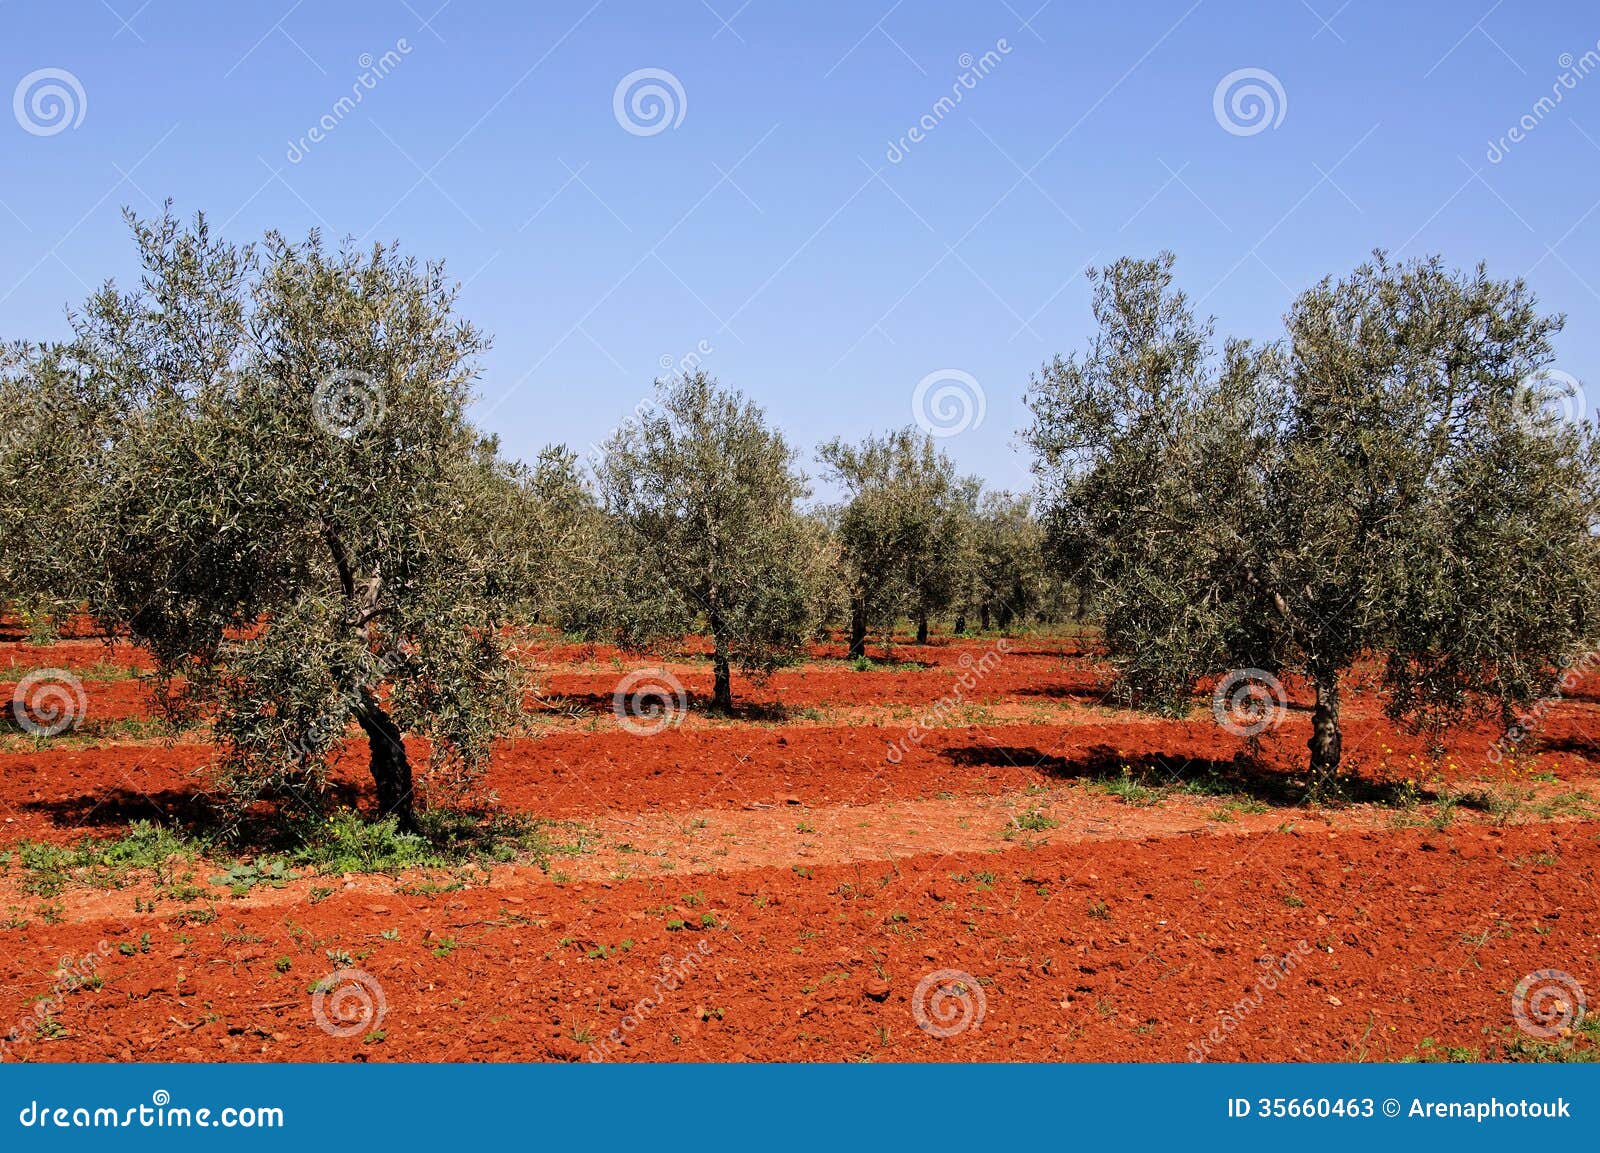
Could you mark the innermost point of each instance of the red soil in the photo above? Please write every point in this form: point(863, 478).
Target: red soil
point(832, 878)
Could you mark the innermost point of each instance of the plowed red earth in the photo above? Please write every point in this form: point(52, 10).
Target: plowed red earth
point(817, 880)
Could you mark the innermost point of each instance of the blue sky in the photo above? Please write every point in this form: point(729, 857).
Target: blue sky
point(765, 227)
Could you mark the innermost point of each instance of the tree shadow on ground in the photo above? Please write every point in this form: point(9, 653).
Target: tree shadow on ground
point(1086, 695)
point(1577, 744)
point(118, 807)
point(194, 810)
point(1147, 776)
point(647, 705)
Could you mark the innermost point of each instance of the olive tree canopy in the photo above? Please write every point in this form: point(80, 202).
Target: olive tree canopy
point(262, 471)
point(1386, 483)
point(1005, 578)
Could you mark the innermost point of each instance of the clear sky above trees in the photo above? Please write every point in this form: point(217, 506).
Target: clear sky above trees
point(818, 287)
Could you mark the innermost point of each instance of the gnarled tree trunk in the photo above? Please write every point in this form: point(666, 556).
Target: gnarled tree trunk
point(858, 627)
point(922, 626)
point(722, 689)
point(1325, 739)
point(391, 771)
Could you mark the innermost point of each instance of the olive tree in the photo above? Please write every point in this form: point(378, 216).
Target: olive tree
point(904, 530)
point(35, 526)
point(703, 497)
point(270, 483)
point(559, 540)
point(1005, 574)
point(1384, 483)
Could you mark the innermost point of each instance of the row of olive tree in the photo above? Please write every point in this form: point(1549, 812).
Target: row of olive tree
point(694, 523)
point(1390, 481)
point(258, 465)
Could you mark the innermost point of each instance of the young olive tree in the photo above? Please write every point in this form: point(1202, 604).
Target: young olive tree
point(1385, 484)
point(904, 530)
point(703, 495)
point(272, 486)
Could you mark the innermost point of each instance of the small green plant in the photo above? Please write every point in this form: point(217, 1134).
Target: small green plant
point(1130, 791)
point(270, 872)
point(1034, 821)
point(128, 948)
